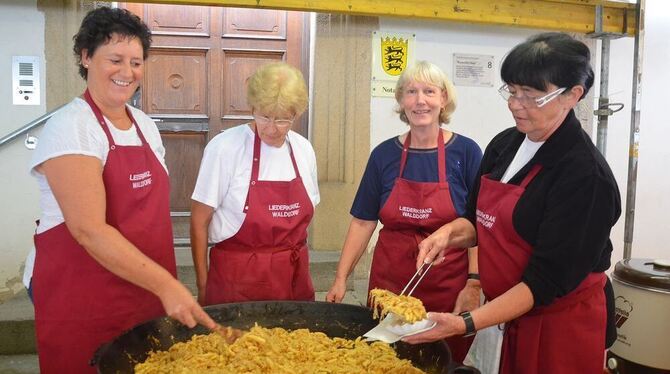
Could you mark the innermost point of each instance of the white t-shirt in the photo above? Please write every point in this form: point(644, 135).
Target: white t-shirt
point(225, 172)
point(75, 130)
point(526, 151)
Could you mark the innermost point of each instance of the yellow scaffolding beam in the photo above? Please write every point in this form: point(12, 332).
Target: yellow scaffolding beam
point(562, 15)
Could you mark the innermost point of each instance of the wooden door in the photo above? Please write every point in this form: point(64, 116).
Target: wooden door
point(194, 80)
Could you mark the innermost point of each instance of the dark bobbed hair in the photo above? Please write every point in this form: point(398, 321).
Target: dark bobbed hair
point(551, 57)
point(98, 26)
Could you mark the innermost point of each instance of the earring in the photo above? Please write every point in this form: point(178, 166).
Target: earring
point(85, 66)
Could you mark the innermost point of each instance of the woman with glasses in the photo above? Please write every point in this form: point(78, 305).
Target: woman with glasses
point(255, 196)
point(541, 214)
point(413, 184)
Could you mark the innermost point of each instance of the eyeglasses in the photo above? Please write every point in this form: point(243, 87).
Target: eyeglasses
point(527, 101)
point(281, 123)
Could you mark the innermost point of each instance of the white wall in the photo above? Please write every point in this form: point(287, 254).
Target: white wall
point(653, 182)
point(481, 113)
point(652, 224)
point(21, 33)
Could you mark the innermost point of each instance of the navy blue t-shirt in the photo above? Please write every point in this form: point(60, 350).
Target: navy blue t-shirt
point(463, 158)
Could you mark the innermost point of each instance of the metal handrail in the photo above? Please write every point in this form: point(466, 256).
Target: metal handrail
point(31, 125)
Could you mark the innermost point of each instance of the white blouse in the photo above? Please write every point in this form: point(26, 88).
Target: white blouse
point(75, 130)
point(225, 172)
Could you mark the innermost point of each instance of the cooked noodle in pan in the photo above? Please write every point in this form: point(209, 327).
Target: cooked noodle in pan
point(276, 351)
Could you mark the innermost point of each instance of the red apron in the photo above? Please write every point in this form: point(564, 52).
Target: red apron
point(413, 211)
point(78, 303)
point(565, 337)
point(267, 259)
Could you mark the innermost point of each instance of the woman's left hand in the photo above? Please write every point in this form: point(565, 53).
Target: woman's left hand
point(447, 325)
point(469, 297)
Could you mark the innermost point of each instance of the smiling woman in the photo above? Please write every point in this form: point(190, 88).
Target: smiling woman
point(103, 265)
point(413, 184)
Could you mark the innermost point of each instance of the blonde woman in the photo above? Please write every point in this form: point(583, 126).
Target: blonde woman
point(255, 196)
point(413, 184)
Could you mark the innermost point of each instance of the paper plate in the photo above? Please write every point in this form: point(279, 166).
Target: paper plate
point(391, 329)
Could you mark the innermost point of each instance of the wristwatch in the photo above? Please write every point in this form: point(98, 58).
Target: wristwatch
point(470, 329)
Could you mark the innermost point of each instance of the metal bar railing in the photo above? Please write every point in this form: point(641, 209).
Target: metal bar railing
point(34, 123)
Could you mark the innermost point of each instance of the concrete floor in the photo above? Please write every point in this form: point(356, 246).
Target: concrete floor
point(19, 364)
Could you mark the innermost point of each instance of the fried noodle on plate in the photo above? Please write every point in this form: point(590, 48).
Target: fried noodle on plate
point(408, 308)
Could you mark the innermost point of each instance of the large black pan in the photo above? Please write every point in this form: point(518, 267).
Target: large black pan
point(335, 320)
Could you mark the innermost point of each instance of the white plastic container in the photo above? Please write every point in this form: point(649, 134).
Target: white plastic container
point(642, 305)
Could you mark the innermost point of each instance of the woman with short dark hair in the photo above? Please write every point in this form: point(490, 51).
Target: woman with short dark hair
point(541, 214)
point(105, 257)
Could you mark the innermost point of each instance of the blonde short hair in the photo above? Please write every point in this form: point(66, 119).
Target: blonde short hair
point(277, 87)
point(426, 72)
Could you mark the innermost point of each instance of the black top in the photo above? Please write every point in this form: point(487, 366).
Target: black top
point(566, 212)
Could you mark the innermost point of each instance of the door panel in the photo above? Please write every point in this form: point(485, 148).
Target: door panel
point(184, 157)
point(254, 23)
point(191, 20)
point(237, 68)
point(176, 82)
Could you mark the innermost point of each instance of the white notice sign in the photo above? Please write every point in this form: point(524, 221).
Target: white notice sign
point(473, 70)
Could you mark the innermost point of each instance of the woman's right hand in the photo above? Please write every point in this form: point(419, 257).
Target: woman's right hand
point(337, 291)
point(179, 304)
point(433, 248)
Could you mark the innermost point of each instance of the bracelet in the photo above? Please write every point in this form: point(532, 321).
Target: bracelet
point(473, 276)
point(470, 329)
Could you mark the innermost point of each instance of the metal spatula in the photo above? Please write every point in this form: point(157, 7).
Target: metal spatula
point(229, 333)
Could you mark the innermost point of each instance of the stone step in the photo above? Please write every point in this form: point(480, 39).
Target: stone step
point(19, 364)
point(17, 325)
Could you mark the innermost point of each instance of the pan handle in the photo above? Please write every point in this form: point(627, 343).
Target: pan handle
point(464, 370)
point(98, 354)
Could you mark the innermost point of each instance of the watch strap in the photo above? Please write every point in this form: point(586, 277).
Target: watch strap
point(470, 329)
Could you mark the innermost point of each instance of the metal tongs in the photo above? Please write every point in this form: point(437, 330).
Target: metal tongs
point(420, 271)
point(392, 328)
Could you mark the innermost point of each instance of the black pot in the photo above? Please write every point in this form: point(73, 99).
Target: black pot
point(335, 320)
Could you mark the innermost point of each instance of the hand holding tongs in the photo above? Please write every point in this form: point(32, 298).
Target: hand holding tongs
point(419, 271)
